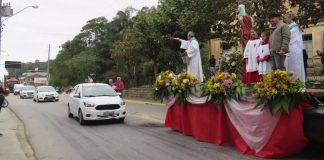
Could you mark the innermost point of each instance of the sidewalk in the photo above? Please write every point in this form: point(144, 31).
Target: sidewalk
point(143, 101)
point(13, 142)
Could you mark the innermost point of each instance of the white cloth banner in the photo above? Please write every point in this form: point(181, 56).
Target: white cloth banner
point(197, 99)
point(169, 101)
point(255, 125)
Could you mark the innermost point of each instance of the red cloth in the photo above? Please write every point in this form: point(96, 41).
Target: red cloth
point(119, 86)
point(210, 124)
point(246, 28)
point(251, 77)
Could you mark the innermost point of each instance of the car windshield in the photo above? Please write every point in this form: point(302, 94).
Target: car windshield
point(97, 91)
point(46, 89)
point(18, 88)
point(28, 88)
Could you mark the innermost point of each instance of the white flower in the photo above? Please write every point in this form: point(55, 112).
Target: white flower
point(156, 89)
point(302, 90)
point(185, 80)
point(233, 64)
point(167, 84)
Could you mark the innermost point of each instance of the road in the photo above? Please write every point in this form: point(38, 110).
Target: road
point(142, 136)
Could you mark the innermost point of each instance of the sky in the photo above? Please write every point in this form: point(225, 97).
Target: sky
point(26, 36)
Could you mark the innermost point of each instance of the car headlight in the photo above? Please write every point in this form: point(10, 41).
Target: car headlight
point(122, 103)
point(86, 104)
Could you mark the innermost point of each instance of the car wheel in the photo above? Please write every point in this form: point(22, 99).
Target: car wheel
point(21, 97)
point(70, 115)
point(34, 99)
point(81, 120)
point(121, 120)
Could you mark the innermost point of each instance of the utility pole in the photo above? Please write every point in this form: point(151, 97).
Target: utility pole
point(0, 29)
point(48, 63)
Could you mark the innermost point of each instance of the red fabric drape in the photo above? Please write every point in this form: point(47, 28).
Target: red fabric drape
point(210, 124)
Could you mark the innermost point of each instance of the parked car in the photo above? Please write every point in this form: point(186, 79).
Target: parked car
point(95, 101)
point(17, 88)
point(46, 93)
point(27, 92)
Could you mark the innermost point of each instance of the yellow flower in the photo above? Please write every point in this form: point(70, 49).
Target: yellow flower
point(233, 76)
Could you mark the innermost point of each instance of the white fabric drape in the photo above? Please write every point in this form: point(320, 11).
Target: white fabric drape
point(255, 125)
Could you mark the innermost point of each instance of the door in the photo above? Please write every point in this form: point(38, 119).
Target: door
point(74, 100)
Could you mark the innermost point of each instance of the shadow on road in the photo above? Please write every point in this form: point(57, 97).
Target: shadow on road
point(100, 122)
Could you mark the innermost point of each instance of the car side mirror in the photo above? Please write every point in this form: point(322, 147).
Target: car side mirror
point(76, 96)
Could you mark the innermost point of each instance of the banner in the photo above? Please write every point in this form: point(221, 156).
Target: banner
point(40, 80)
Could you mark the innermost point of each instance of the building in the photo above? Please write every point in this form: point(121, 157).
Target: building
point(313, 41)
point(34, 77)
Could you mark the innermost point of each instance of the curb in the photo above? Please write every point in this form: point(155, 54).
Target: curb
point(144, 102)
point(23, 139)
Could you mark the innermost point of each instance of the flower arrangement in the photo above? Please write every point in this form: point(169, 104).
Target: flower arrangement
point(163, 85)
point(232, 62)
point(280, 90)
point(183, 85)
point(224, 85)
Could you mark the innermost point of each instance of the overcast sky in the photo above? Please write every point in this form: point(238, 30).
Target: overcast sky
point(26, 36)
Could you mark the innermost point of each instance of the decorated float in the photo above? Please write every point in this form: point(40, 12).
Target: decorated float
point(263, 119)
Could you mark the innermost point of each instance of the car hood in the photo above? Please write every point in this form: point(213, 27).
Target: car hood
point(102, 100)
point(28, 91)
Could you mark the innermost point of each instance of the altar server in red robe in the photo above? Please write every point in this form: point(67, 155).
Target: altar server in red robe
point(250, 58)
point(263, 57)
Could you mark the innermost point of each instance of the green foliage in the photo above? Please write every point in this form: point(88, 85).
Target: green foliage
point(138, 46)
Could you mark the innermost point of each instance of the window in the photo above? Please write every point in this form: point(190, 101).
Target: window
point(97, 91)
point(76, 90)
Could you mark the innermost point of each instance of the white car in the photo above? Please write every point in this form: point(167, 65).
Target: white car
point(17, 88)
point(27, 92)
point(46, 93)
point(95, 101)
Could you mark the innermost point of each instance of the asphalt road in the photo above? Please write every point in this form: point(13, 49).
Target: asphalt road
point(142, 136)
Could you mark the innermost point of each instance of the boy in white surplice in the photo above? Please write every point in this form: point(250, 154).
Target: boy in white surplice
point(264, 55)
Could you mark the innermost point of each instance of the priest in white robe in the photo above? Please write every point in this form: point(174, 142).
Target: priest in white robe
point(194, 65)
point(295, 62)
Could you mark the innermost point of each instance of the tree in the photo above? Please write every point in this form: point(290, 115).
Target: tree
point(126, 52)
point(145, 31)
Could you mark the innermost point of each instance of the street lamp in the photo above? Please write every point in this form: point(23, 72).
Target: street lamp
point(35, 7)
point(1, 21)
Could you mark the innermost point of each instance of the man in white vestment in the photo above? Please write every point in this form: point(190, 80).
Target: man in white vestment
point(295, 62)
point(194, 65)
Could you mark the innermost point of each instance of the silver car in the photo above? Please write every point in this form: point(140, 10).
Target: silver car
point(27, 92)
